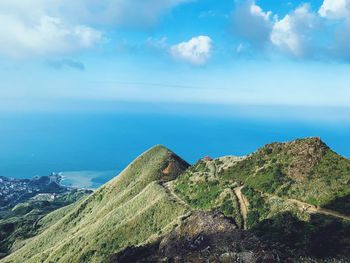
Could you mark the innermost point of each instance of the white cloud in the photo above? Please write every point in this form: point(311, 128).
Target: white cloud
point(338, 10)
point(47, 36)
point(293, 33)
point(256, 10)
point(252, 23)
point(41, 27)
point(335, 9)
point(196, 51)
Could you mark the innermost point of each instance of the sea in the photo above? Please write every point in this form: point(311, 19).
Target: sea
point(90, 148)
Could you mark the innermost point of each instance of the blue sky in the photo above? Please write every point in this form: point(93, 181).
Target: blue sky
point(61, 53)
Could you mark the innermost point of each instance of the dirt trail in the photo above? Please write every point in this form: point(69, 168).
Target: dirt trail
point(243, 204)
point(213, 169)
point(313, 209)
point(169, 189)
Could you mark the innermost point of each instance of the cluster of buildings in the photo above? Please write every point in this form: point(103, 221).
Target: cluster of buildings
point(13, 191)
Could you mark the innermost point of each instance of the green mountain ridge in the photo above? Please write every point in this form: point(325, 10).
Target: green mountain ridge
point(286, 194)
point(128, 209)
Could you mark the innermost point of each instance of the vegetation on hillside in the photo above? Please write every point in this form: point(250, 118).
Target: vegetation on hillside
point(273, 177)
point(306, 170)
point(202, 190)
point(21, 222)
point(129, 210)
point(294, 196)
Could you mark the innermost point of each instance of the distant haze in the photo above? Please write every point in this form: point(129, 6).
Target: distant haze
point(38, 144)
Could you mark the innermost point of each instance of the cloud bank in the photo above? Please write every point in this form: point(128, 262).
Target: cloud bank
point(48, 35)
point(335, 9)
point(304, 32)
point(40, 28)
point(293, 33)
point(252, 23)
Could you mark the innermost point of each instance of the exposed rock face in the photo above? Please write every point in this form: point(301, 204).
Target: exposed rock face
point(203, 237)
point(303, 155)
point(174, 167)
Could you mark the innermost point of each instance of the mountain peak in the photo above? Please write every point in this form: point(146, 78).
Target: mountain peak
point(306, 146)
point(158, 163)
point(158, 147)
point(301, 156)
point(303, 142)
point(310, 141)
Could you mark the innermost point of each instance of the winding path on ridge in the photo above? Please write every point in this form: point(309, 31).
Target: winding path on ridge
point(313, 209)
point(305, 207)
point(169, 190)
point(309, 208)
point(243, 204)
point(213, 169)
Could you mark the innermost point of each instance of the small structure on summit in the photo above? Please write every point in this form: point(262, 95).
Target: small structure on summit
point(207, 159)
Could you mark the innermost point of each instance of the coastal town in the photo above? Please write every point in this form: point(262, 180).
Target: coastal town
point(13, 191)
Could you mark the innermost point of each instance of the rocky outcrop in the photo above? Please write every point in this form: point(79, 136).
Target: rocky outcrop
point(300, 156)
point(174, 166)
point(202, 237)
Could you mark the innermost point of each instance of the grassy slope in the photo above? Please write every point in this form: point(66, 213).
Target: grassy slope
point(129, 210)
point(21, 222)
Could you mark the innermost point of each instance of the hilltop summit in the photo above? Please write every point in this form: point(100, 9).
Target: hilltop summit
point(312, 146)
point(157, 163)
point(299, 157)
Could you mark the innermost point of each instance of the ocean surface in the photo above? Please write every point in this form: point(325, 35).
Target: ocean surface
point(91, 148)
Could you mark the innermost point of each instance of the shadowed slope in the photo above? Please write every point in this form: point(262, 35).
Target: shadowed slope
point(202, 237)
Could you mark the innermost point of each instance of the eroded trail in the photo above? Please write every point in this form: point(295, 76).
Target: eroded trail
point(309, 208)
point(317, 210)
point(243, 204)
point(213, 169)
